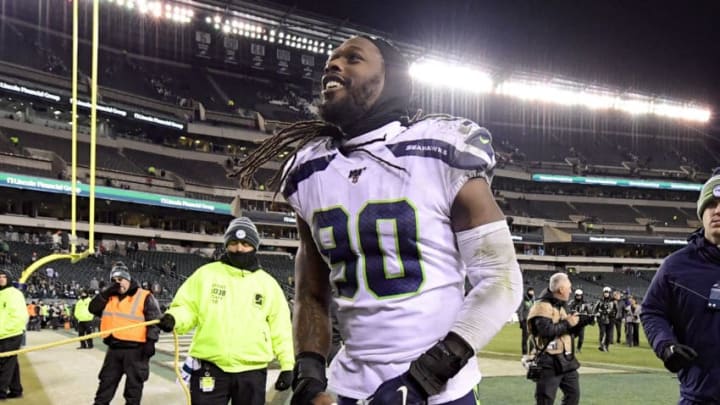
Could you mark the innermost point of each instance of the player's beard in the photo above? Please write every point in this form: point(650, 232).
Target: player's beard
point(347, 110)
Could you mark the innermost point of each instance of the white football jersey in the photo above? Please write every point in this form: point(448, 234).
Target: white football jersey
point(380, 217)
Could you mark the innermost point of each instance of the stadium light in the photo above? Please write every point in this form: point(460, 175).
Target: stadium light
point(435, 73)
point(575, 94)
point(558, 93)
point(158, 9)
point(251, 29)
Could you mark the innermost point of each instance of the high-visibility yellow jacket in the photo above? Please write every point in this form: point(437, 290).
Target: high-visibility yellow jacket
point(82, 313)
point(13, 312)
point(242, 318)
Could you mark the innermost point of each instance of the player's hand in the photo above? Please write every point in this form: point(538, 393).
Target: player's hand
point(309, 380)
point(432, 370)
point(573, 319)
point(677, 357)
point(402, 389)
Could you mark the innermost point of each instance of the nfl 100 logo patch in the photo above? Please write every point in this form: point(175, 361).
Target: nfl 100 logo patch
point(354, 174)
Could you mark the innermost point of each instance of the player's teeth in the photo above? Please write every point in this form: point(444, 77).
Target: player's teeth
point(333, 84)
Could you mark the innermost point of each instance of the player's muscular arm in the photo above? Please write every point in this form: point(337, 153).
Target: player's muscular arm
point(486, 247)
point(474, 205)
point(311, 323)
point(311, 320)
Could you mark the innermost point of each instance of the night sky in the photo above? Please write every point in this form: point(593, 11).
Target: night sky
point(656, 47)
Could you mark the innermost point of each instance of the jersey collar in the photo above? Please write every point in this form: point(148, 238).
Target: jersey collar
point(387, 131)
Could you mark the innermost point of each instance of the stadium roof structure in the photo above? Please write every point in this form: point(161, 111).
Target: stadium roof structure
point(521, 84)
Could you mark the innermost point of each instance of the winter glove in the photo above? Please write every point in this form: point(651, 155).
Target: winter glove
point(284, 380)
point(113, 289)
point(149, 349)
point(432, 370)
point(677, 357)
point(308, 378)
point(167, 323)
point(402, 389)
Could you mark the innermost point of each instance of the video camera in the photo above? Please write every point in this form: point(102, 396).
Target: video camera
point(586, 319)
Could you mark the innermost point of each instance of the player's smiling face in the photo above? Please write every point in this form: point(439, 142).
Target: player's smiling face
point(353, 81)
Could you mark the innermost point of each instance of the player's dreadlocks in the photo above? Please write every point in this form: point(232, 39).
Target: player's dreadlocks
point(298, 134)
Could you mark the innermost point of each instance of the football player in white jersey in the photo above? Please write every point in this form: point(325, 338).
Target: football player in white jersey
point(393, 214)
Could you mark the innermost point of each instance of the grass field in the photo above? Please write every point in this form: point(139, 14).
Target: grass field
point(595, 389)
point(642, 379)
point(507, 343)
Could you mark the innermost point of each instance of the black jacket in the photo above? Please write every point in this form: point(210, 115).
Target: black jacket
point(543, 327)
point(151, 311)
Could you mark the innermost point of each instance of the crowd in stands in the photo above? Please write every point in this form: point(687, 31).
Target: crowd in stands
point(161, 272)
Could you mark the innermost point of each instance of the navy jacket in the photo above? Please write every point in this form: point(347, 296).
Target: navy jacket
point(672, 314)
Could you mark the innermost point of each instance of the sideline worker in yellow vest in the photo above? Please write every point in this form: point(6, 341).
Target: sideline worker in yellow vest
point(129, 351)
point(241, 320)
point(13, 318)
point(84, 319)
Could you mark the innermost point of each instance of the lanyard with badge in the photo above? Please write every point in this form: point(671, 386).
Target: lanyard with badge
point(207, 383)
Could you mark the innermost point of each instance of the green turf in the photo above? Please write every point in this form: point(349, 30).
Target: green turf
point(646, 383)
point(600, 389)
point(507, 343)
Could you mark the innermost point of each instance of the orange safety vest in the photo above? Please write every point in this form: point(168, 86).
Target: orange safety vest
point(129, 311)
point(31, 310)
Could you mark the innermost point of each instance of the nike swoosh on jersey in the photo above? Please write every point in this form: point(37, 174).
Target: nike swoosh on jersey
point(403, 390)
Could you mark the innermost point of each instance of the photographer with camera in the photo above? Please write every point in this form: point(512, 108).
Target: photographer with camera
point(552, 329)
point(681, 309)
point(579, 306)
point(606, 310)
point(522, 313)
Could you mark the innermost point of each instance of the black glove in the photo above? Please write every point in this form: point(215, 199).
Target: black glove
point(402, 389)
point(308, 378)
point(149, 349)
point(167, 323)
point(284, 380)
point(434, 368)
point(113, 289)
point(676, 357)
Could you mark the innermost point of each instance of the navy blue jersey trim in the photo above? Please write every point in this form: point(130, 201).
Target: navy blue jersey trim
point(435, 149)
point(303, 172)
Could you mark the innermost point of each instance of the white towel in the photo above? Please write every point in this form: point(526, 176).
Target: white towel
point(191, 364)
